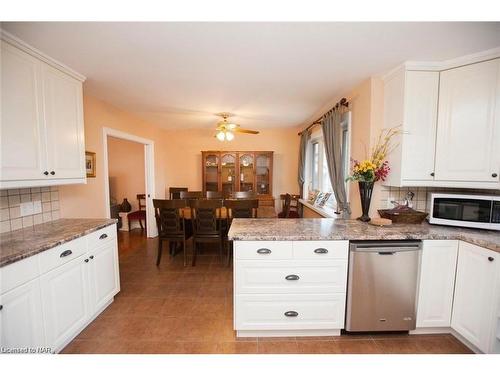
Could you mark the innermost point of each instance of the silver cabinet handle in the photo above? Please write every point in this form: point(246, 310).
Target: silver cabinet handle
point(86, 260)
point(264, 251)
point(65, 253)
point(103, 236)
point(91, 257)
point(491, 259)
point(321, 250)
point(291, 314)
point(292, 277)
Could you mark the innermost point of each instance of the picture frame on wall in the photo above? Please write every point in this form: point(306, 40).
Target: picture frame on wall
point(90, 163)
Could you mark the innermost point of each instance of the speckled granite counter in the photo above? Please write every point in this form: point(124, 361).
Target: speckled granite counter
point(27, 242)
point(339, 229)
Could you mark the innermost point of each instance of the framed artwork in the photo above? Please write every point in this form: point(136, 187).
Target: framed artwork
point(90, 163)
point(312, 196)
point(325, 198)
point(319, 198)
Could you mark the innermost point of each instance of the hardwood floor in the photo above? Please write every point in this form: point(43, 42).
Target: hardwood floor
point(176, 309)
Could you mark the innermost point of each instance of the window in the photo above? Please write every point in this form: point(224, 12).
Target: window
point(315, 166)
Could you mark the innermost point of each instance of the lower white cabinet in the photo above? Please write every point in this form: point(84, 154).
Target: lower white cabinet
point(290, 288)
point(437, 283)
point(476, 295)
point(21, 323)
point(104, 278)
point(47, 299)
point(65, 301)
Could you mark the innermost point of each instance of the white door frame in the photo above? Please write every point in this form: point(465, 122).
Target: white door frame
point(149, 168)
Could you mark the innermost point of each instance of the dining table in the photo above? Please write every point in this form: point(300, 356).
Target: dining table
point(264, 212)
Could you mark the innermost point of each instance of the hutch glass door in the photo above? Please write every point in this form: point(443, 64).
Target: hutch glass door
point(246, 172)
point(211, 165)
point(263, 174)
point(228, 173)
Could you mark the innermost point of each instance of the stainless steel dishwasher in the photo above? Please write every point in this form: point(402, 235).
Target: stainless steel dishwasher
point(382, 285)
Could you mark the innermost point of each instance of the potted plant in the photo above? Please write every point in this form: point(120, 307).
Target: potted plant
point(373, 169)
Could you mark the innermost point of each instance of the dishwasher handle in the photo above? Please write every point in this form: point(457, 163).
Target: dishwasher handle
point(386, 248)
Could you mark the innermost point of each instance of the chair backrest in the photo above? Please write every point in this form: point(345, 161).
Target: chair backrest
point(286, 205)
point(205, 214)
point(242, 208)
point(175, 192)
point(191, 194)
point(214, 195)
point(294, 201)
point(243, 195)
point(168, 214)
point(141, 198)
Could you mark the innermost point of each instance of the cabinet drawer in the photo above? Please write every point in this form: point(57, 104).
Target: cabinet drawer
point(62, 254)
point(291, 276)
point(99, 237)
point(276, 311)
point(18, 273)
point(320, 249)
point(263, 250)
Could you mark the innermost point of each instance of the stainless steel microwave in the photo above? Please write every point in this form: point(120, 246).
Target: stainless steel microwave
point(473, 211)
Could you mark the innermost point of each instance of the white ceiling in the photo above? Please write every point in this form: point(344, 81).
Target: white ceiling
point(269, 74)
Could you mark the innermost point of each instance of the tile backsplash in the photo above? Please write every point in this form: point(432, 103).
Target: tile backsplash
point(10, 207)
point(421, 195)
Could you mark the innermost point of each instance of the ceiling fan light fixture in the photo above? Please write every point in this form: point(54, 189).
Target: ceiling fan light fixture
point(220, 136)
point(229, 136)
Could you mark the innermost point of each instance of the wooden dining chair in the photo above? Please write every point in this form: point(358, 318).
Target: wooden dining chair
point(214, 195)
point(290, 206)
point(239, 208)
point(243, 195)
point(207, 226)
point(171, 225)
point(140, 214)
point(175, 192)
point(191, 195)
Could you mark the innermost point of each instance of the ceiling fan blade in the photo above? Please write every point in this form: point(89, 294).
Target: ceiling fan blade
point(240, 130)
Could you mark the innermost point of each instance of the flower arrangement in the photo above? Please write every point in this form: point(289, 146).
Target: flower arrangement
point(375, 167)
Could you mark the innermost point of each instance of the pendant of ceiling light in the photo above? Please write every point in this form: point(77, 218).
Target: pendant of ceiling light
point(225, 130)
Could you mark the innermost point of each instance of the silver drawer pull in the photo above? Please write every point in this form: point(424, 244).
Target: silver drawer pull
point(103, 236)
point(263, 251)
point(65, 253)
point(321, 250)
point(292, 277)
point(291, 314)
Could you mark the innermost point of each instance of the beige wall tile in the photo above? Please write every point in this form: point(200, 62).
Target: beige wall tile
point(46, 196)
point(54, 196)
point(14, 200)
point(4, 226)
point(28, 221)
point(47, 216)
point(4, 202)
point(54, 205)
point(13, 192)
point(16, 224)
point(35, 190)
point(25, 198)
point(37, 219)
point(46, 207)
point(3, 193)
point(4, 214)
point(15, 212)
point(36, 196)
point(55, 215)
point(45, 188)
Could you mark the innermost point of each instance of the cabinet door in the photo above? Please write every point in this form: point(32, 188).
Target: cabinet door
point(228, 173)
point(246, 172)
point(419, 125)
point(468, 129)
point(263, 172)
point(21, 323)
point(103, 276)
point(23, 153)
point(210, 171)
point(437, 282)
point(475, 302)
point(65, 301)
point(64, 124)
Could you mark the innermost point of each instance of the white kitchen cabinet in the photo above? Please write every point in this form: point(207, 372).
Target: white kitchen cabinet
point(410, 102)
point(23, 151)
point(21, 318)
point(41, 131)
point(468, 133)
point(476, 295)
point(104, 278)
point(436, 283)
point(65, 301)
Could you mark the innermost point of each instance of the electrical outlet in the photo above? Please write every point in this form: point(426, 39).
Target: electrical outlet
point(26, 208)
point(37, 207)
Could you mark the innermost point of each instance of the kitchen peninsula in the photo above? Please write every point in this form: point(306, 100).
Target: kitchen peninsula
point(290, 278)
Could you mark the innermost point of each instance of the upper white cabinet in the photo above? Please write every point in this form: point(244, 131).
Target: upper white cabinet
point(41, 133)
point(411, 99)
point(437, 283)
point(476, 295)
point(450, 119)
point(469, 124)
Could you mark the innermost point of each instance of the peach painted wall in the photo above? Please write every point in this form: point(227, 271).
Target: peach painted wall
point(126, 170)
point(177, 156)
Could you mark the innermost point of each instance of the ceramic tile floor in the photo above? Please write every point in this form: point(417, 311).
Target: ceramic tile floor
point(176, 309)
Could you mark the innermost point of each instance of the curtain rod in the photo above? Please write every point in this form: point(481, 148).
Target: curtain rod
point(342, 102)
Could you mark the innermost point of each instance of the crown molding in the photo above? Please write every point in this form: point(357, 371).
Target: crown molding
point(18, 43)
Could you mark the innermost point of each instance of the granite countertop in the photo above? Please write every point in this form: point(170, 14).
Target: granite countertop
point(23, 243)
point(341, 229)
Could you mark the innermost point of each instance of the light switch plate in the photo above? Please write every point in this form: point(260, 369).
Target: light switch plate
point(37, 207)
point(26, 208)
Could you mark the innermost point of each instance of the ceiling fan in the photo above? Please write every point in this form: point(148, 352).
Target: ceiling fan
point(226, 129)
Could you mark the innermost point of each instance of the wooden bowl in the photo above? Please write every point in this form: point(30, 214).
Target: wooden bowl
point(403, 216)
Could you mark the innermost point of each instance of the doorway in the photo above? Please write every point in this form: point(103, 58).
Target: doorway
point(110, 139)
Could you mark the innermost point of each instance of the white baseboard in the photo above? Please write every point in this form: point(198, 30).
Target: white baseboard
point(289, 333)
point(436, 330)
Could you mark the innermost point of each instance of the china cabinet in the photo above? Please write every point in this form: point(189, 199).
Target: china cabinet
point(230, 171)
